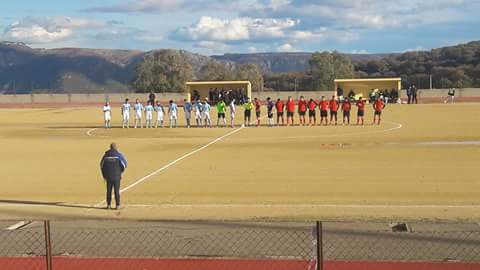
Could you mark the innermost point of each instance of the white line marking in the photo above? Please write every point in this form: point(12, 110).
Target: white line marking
point(18, 225)
point(267, 206)
point(90, 132)
point(398, 126)
point(273, 206)
point(143, 179)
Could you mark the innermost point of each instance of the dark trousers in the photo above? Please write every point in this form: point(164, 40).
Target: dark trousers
point(409, 99)
point(414, 99)
point(113, 185)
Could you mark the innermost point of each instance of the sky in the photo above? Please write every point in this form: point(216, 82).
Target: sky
point(242, 26)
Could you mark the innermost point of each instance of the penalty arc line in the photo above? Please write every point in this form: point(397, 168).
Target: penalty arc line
point(170, 164)
point(398, 126)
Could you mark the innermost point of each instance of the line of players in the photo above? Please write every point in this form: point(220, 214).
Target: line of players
point(201, 110)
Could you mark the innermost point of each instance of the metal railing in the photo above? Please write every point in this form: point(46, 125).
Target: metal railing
point(121, 245)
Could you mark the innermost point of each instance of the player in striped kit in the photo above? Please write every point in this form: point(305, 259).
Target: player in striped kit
point(149, 115)
point(173, 113)
point(138, 113)
point(107, 113)
point(126, 114)
point(160, 114)
point(232, 112)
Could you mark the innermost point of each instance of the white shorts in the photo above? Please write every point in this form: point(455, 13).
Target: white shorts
point(108, 116)
point(188, 115)
point(173, 116)
point(138, 115)
point(206, 115)
point(149, 115)
point(160, 116)
point(126, 116)
point(198, 115)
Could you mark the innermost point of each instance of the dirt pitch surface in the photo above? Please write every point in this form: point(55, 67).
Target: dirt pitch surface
point(421, 163)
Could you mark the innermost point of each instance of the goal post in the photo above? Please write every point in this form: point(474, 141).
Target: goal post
point(202, 89)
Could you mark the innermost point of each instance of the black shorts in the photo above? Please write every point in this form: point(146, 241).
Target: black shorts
point(332, 113)
point(258, 113)
point(270, 115)
point(360, 113)
point(323, 113)
point(346, 114)
point(289, 114)
point(248, 113)
point(378, 113)
point(221, 115)
point(279, 114)
point(311, 113)
point(302, 113)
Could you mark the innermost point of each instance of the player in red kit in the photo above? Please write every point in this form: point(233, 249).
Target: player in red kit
point(361, 111)
point(280, 107)
point(346, 108)
point(333, 106)
point(302, 110)
point(378, 106)
point(324, 111)
point(258, 108)
point(312, 115)
point(290, 111)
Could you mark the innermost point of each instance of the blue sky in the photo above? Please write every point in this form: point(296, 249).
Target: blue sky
point(217, 27)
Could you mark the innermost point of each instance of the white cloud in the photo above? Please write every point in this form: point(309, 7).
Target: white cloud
point(147, 6)
point(240, 29)
point(252, 49)
point(287, 47)
point(212, 46)
point(37, 30)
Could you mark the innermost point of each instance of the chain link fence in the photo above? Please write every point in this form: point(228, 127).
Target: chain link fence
point(105, 245)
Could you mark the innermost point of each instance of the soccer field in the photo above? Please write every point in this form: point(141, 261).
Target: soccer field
point(421, 163)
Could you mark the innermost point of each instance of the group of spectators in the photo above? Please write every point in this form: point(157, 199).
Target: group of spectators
point(389, 96)
point(412, 92)
point(238, 95)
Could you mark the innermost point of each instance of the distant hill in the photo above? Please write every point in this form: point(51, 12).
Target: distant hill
point(23, 69)
point(286, 62)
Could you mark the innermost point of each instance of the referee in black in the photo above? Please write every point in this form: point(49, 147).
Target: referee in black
point(113, 164)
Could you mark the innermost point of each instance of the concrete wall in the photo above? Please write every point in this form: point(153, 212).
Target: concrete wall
point(164, 97)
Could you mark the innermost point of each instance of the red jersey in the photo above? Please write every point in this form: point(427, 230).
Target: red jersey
point(290, 106)
point(258, 106)
point(312, 105)
point(333, 105)
point(280, 106)
point(346, 106)
point(302, 106)
point(379, 105)
point(324, 105)
point(361, 105)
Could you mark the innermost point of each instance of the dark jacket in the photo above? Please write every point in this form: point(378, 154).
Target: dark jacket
point(113, 164)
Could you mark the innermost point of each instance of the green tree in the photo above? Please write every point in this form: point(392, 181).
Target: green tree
point(325, 67)
point(252, 73)
point(216, 71)
point(163, 71)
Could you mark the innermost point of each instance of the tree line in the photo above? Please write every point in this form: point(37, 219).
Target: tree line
point(456, 66)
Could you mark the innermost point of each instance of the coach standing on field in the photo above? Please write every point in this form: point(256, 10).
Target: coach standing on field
point(113, 165)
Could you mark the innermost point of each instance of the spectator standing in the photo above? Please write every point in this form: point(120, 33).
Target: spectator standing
point(414, 94)
point(113, 164)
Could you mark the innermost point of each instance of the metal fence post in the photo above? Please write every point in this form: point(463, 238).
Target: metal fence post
point(48, 245)
point(319, 230)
